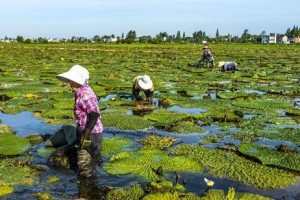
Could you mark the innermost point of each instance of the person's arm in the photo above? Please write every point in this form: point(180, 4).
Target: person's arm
point(203, 57)
point(92, 114)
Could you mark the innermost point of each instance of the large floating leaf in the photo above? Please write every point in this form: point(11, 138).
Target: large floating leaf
point(271, 157)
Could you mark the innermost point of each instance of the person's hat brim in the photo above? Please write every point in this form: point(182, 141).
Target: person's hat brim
point(221, 63)
point(145, 86)
point(69, 76)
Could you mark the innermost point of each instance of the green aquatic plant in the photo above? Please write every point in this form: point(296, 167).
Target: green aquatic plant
point(215, 194)
point(187, 127)
point(157, 142)
point(135, 192)
point(115, 145)
point(146, 162)
point(263, 104)
point(52, 179)
point(279, 133)
point(268, 156)
point(45, 152)
point(5, 130)
point(223, 115)
point(167, 119)
point(42, 196)
point(13, 145)
point(5, 190)
point(12, 173)
point(58, 114)
point(34, 139)
point(125, 122)
point(276, 120)
point(6, 107)
point(228, 164)
point(232, 95)
point(293, 112)
point(162, 196)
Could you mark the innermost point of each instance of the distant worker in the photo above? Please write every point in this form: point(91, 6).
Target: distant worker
point(142, 83)
point(228, 66)
point(207, 57)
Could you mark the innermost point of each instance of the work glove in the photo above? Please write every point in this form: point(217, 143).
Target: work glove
point(85, 139)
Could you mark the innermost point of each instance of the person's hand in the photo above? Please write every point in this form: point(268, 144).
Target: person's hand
point(149, 99)
point(85, 140)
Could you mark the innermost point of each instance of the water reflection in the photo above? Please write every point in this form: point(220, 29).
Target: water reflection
point(25, 123)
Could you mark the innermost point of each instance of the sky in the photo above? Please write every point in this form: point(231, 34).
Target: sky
point(87, 18)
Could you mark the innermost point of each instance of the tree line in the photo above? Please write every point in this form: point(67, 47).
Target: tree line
point(164, 37)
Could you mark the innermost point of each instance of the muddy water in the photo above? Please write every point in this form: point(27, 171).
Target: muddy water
point(71, 187)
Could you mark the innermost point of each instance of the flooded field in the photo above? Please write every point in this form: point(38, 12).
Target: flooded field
point(240, 130)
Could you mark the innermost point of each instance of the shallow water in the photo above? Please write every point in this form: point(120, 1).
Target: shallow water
point(25, 124)
point(186, 110)
point(70, 186)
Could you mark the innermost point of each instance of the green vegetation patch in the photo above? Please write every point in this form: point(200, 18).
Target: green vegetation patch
point(42, 196)
point(277, 133)
point(13, 174)
point(125, 122)
point(187, 127)
point(263, 104)
point(228, 164)
point(167, 120)
point(12, 145)
point(231, 195)
point(5, 190)
point(52, 179)
point(35, 139)
point(293, 112)
point(46, 152)
point(135, 192)
point(5, 130)
point(146, 162)
point(115, 145)
point(157, 142)
point(268, 156)
point(212, 194)
point(232, 95)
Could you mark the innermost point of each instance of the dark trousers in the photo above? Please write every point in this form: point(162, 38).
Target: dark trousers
point(208, 63)
point(135, 94)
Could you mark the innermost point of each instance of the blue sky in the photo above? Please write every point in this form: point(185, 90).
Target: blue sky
point(87, 18)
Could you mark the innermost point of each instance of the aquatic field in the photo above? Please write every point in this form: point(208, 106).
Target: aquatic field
point(240, 130)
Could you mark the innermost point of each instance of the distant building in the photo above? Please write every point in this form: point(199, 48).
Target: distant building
point(110, 40)
point(297, 39)
point(272, 38)
point(281, 38)
point(53, 40)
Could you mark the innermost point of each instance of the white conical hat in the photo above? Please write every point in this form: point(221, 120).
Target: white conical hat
point(77, 74)
point(221, 63)
point(145, 82)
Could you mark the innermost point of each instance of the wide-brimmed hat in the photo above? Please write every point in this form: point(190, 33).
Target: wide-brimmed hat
point(221, 63)
point(145, 82)
point(76, 74)
point(205, 47)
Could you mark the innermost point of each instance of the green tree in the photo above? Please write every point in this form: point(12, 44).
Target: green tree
point(131, 36)
point(96, 38)
point(27, 41)
point(178, 37)
point(217, 34)
point(20, 39)
point(245, 35)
